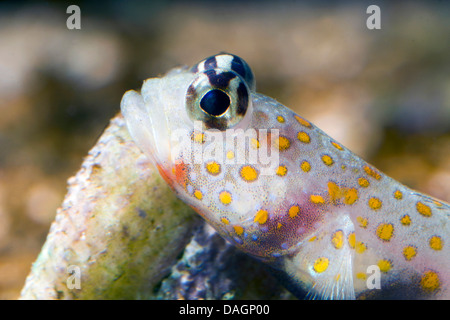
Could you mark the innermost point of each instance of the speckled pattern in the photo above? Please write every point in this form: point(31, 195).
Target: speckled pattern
point(323, 216)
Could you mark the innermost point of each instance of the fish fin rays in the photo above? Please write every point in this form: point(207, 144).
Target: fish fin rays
point(338, 283)
point(323, 268)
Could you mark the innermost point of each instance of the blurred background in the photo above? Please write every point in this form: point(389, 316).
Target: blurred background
point(385, 94)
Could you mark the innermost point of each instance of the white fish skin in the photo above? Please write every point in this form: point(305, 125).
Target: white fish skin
point(327, 220)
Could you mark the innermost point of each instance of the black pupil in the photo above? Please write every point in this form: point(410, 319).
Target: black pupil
point(215, 102)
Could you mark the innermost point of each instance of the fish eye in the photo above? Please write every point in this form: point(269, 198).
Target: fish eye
point(219, 98)
point(227, 61)
point(215, 102)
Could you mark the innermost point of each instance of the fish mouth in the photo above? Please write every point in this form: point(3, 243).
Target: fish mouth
point(157, 116)
point(158, 121)
point(146, 122)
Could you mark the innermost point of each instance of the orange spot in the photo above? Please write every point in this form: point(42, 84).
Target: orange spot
point(350, 197)
point(385, 231)
point(213, 168)
point(372, 172)
point(225, 221)
point(321, 264)
point(360, 247)
point(430, 281)
point(436, 243)
point(293, 211)
point(302, 121)
point(225, 197)
point(327, 160)
point(385, 265)
point(303, 137)
point(439, 204)
point(409, 252)
point(279, 225)
point(281, 171)
point(423, 209)
point(261, 216)
point(254, 143)
point(398, 195)
point(280, 119)
point(336, 145)
point(181, 170)
point(337, 239)
point(248, 173)
point(375, 203)
point(317, 199)
point(238, 229)
point(230, 154)
point(351, 240)
point(283, 143)
point(305, 166)
point(363, 182)
point(198, 194)
point(405, 220)
point(362, 222)
point(361, 275)
point(198, 138)
point(334, 191)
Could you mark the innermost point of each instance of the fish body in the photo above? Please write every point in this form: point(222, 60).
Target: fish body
point(283, 191)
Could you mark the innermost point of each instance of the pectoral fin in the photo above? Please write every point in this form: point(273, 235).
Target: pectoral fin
point(322, 267)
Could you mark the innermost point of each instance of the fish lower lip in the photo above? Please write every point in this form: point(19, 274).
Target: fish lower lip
point(160, 134)
point(143, 125)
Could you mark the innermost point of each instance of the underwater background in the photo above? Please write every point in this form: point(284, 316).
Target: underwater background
point(384, 94)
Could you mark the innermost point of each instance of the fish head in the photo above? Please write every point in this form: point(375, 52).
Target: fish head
point(224, 149)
